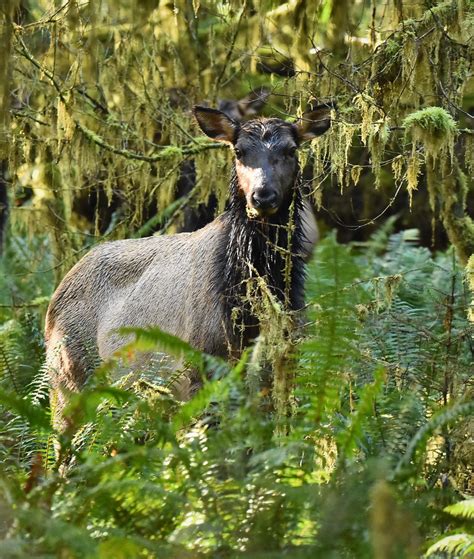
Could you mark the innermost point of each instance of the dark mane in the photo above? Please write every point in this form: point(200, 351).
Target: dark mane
point(262, 246)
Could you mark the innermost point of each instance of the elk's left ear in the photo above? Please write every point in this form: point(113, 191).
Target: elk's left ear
point(215, 124)
point(314, 122)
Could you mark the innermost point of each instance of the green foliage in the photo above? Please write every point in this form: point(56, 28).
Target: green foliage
point(333, 300)
point(25, 283)
point(463, 509)
point(459, 545)
point(371, 429)
point(108, 118)
point(433, 121)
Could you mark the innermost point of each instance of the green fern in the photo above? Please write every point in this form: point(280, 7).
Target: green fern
point(443, 417)
point(21, 353)
point(155, 477)
point(330, 346)
point(463, 509)
point(457, 546)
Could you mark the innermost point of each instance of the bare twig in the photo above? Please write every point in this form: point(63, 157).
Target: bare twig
point(230, 50)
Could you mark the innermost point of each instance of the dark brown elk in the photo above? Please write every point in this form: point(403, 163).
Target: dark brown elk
point(188, 284)
point(197, 216)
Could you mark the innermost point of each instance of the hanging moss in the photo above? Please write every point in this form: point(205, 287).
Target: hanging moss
point(355, 174)
point(433, 127)
point(469, 153)
point(374, 131)
point(53, 205)
point(435, 130)
point(388, 54)
point(5, 45)
point(470, 279)
point(459, 226)
point(335, 146)
point(409, 57)
point(123, 115)
point(413, 171)
point(274, 346)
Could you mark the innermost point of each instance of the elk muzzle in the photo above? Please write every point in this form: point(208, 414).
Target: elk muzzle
point(262, 198)
point(265, 201)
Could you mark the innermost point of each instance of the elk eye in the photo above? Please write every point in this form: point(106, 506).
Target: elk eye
point(238, 153)
point(291, 151)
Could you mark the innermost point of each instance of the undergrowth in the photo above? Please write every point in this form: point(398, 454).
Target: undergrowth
point(377, 445)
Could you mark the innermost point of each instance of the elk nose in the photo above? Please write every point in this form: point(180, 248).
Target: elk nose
point(264, 199)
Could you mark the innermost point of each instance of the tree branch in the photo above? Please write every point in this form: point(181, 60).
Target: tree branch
point(167, 152)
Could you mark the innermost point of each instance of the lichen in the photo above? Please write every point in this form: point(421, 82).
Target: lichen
point(434, 128)
point(6, 29)
point(413, 170)
point(335, 146)
point(377, 141)
point(355, 174)
point(469, 153)
point(374, 131)
point(470, 280)
point(398, 167)
point(459, 226)
point(410, 56)
point(385, 289)
point(274, 348)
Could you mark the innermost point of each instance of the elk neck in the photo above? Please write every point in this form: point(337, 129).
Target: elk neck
point(263, 247)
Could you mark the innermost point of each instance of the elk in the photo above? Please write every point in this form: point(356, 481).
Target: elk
point(188, 284)
point(196, 217)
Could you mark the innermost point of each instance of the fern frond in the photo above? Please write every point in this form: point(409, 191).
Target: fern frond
point(457, 546)
point(327, 352)
point(463, 509)
point(148, 339)
point(443, 417)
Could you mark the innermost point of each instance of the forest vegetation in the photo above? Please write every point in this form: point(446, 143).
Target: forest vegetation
point(363, 446)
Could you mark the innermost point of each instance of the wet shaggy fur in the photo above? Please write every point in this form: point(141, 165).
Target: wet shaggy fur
point(264, 244)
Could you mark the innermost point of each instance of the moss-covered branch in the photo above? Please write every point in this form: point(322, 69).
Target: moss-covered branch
point(167, 152)
point(452, 189)
point(435, 129)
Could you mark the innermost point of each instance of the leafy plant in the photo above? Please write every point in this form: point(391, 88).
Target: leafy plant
point(378, 424)
point(460, 544)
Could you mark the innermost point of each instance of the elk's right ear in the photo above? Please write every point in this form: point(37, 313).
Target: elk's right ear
point(314, 122)
point(215, 124)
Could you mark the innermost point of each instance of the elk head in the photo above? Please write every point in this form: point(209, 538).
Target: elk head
point(266, 152)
